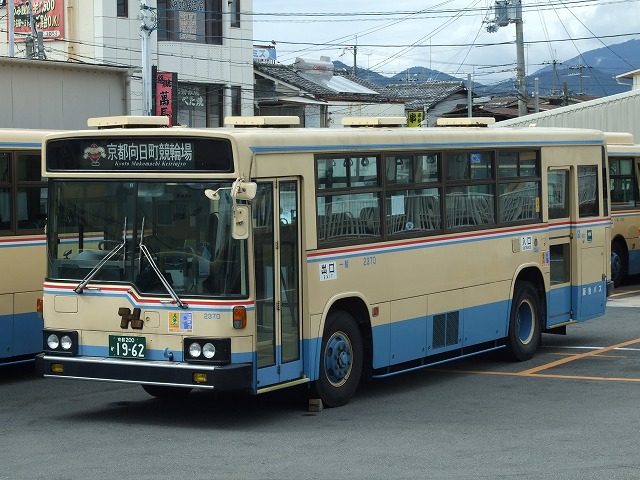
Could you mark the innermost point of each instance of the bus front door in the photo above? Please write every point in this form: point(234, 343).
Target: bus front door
point(276, 241)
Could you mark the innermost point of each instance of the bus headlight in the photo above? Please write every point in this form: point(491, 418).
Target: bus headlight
point(195, 350)
point(60, 342)
point(209, 350)
point(65, 342)
point(53, 341)
point(216, 351)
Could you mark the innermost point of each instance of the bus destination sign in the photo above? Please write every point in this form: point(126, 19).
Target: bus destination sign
point(125, 156)
point(136, 153)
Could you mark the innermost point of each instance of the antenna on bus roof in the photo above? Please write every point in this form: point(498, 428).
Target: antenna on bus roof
point(283, 121)
point(128, 121)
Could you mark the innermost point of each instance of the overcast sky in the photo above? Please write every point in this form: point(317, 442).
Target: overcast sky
point(449, 36)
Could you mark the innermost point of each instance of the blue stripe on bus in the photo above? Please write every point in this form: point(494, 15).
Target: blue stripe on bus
point(20, 144)
point(412, 339)
point(404, 146)
point(23, 243)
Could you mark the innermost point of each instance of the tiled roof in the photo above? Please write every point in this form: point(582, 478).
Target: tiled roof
point(288, 75)
point(424, 94)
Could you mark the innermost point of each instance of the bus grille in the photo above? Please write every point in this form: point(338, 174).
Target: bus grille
point(445, 329)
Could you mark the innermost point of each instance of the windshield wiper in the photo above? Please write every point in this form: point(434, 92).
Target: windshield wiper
point(145, 250)
point(112, 253)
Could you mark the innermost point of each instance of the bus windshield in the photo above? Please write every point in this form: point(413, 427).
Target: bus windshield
point(188, 236)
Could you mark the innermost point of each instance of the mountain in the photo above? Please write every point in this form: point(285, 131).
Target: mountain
point(590, 74)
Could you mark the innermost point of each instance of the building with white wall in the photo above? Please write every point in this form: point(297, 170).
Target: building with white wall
point(59, 95)
point(206, 45)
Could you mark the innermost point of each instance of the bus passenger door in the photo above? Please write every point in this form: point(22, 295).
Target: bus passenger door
point(560, 245)
point(276, 240)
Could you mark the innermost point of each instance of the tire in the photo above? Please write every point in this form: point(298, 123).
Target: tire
point(524, 322)
point(618, 264)
point(166, 393)
point(341, 360)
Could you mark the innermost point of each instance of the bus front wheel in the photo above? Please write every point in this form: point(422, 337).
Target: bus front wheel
point(524, 322)
point(340, 361)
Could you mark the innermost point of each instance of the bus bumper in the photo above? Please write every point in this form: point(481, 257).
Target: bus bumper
point(232, 377)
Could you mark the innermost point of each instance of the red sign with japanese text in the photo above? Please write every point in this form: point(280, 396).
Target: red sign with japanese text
point(165, 88)
point(47, 14)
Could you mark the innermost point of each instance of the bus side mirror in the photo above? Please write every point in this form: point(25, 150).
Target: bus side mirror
point(240, 229)
point(245, 190)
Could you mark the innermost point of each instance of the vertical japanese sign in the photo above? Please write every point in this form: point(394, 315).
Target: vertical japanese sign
point(166, 95)
point(415, 118)
point(48, 15)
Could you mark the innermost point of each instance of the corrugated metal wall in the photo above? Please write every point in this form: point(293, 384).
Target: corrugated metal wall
point(617, 113)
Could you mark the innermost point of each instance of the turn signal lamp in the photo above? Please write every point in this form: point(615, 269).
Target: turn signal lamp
point(199, 378)
point(40, 307)
point(57, 368)
point(239, 317)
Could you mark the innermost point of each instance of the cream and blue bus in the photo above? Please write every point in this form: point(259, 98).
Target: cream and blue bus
point(258, 257)
point(624, 172)
point(23, 212)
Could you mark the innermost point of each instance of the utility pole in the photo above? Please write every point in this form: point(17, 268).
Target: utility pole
point(469, 96)
point(579, 67)
point(147, 27)
point(11, 13)
point(506, 12)
point(555, 74)
point(354, 50)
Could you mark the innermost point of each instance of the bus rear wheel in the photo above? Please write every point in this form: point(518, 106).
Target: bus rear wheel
point(340, 360)
point(618, 263)
point(524, 322)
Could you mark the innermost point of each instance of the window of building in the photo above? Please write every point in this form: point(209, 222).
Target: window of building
point(197, 21)
point(200, 105)
point(234, 10)
point(236, 101)
point(122, 7)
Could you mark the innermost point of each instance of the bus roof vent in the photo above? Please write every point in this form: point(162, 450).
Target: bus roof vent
point(274, 121)
point(128, 121)
point(374, 121)
point(466, 122)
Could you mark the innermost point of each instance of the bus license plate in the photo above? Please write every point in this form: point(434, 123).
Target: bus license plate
point(127, 347)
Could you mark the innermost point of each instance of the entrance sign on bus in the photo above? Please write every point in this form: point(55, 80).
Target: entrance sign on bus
point(281, 256)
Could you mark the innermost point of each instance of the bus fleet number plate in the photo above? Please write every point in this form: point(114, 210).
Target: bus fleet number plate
point(127, 347)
